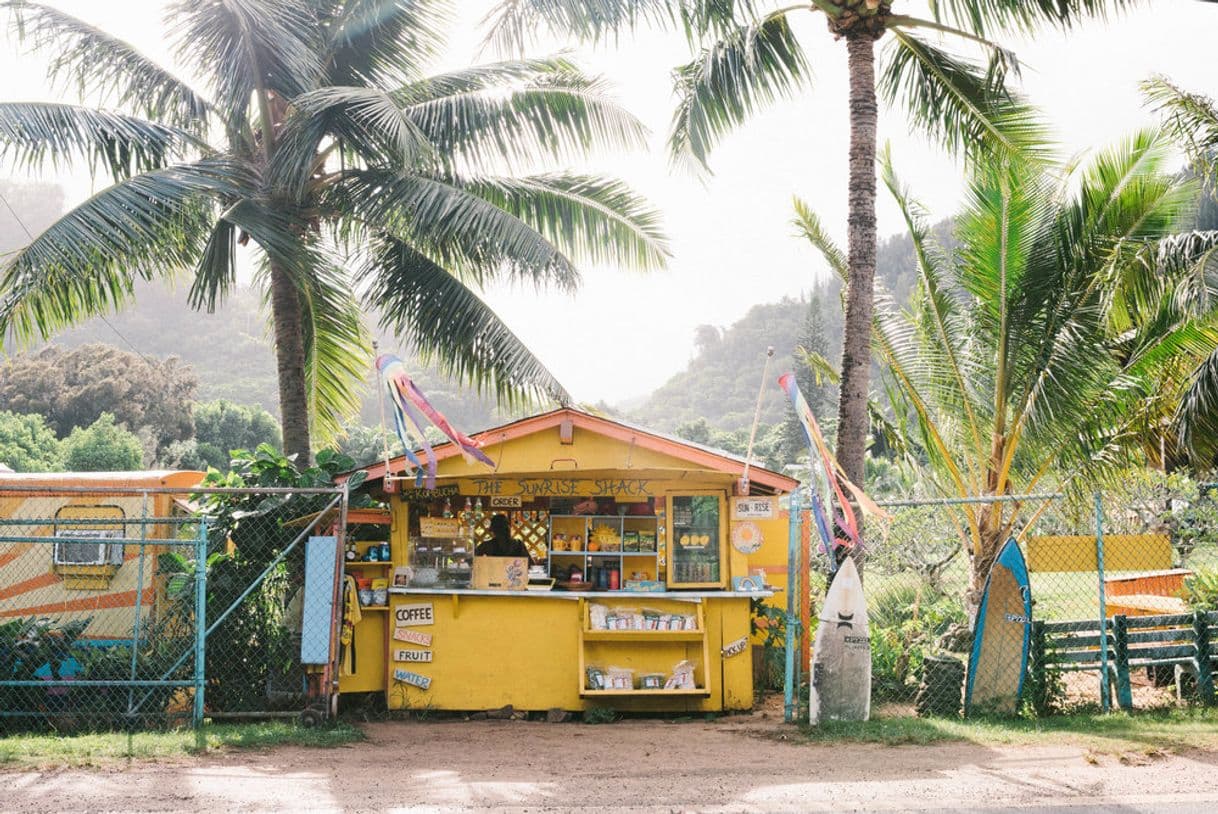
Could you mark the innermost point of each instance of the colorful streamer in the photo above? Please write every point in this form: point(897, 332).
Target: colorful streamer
point(829, 476)
point(411, 411)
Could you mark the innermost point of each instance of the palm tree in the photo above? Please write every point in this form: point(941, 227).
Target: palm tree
point(748, 56)
point(362, 182)
point(1054, 333)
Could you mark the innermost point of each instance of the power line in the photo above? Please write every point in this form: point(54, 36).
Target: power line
point(102, 317)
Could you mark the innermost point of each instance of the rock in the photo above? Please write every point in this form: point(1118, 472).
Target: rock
point(478, 716)
point(502, 714)
point(956, 639)
point(557, 716)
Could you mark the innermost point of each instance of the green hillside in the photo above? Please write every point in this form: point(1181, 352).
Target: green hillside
point(720, 383)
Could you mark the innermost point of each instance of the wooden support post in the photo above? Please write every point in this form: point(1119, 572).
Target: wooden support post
point(1121, 642)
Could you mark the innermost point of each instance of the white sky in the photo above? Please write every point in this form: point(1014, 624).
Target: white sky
point(624, 333)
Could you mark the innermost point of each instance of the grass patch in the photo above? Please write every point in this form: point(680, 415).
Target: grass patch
point(36, 751)
point(1118, 732)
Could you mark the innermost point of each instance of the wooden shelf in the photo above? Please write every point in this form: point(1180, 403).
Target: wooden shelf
point(560, 553)
point(373, 608)
point(643, 635)
point(700, 691)
point(367, 563)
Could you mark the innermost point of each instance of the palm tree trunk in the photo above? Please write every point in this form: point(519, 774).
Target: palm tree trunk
point(852, 422)
point(288, 319)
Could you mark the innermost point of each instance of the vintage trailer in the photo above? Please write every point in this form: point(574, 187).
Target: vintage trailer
point(645, 554)
point(71, 572)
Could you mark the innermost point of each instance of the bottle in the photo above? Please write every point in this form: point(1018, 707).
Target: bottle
point(351, 553)
point(615, 578)
point(448, 508)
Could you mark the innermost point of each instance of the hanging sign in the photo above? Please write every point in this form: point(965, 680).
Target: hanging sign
point(409, 615)
point(444, 527)
point(735, 648)
point(405, 634)
point(412, 655)
point(753, 508)
point(430, 495)
point(506, 502)
point(557, 487)
point(746, 537)
point(413, 679)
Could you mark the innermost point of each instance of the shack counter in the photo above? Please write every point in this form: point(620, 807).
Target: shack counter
point(644, 564)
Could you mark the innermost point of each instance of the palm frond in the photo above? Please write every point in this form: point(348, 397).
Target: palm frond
point(450, 325)
point(454, 227)
point(731, 80)
point(97, 63)
point(982, 16)
point(337, 352)
point(944, 334)
point(34, 134)
point(589, 218)
point(216, 273)
point(810, 227)
point(965, 106)
point(382, 42)
point(368, 122)
point(469, 226)
point(514, 24)
point(244, 45)
point(1192, 118)
point(1196, 418)
point(85, 263)
point(520, 113)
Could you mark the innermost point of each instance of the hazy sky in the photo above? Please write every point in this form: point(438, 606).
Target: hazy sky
point(625, 333)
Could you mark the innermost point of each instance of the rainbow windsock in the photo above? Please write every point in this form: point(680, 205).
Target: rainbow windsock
point(411, 412)
point(828, 478)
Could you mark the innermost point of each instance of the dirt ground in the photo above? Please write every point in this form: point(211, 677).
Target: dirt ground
point(728, 765)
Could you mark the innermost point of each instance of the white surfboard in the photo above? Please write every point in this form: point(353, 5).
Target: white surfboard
point(841, 666)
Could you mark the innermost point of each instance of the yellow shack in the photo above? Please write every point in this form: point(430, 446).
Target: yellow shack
point(644, 553)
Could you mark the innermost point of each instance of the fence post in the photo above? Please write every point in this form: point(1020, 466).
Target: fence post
point(200, 621)
point(1205, 673)
point(139, 603)
point(790, 684)
point(1105, 702)
point(1120, 633)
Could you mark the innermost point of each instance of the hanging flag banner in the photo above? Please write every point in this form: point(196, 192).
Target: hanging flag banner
point(411, 411)
point(828, 480)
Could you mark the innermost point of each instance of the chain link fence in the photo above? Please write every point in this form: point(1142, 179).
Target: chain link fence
point(158, 607)
point(1123, 590)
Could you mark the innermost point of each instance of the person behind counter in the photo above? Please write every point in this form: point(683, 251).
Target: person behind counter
point(501, 544)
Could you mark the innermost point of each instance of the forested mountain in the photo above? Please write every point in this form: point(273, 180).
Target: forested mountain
point(720, 383)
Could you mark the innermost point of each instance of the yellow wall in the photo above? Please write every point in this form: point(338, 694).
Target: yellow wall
point(489, 651)
point(1122, 552)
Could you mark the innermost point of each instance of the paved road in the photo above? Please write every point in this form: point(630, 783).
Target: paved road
point(635, 766)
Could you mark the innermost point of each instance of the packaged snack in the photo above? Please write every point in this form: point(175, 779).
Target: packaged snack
point(595, 678)
point(682, 677)
point(619, 678)
point(598, 617)
point(651, 619)
point(651, 681)
point(380, 592)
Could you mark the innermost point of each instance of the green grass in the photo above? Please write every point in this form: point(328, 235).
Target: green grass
point(1167, 730)
point(38, 751)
